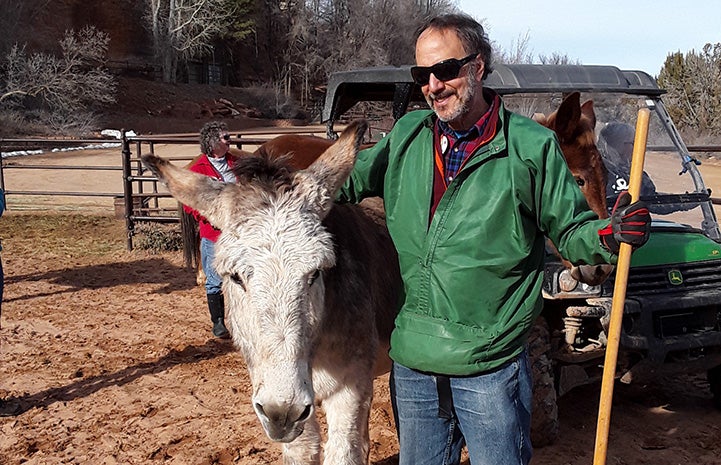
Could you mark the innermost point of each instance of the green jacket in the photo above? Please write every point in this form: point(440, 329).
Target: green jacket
point(472, 278)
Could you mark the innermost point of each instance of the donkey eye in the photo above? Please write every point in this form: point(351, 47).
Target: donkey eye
point(581, 182)
point(237, 279)
point(313, 277)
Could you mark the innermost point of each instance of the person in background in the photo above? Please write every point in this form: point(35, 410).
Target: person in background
point(217, 162)
point(2, 275)
point(471, 190)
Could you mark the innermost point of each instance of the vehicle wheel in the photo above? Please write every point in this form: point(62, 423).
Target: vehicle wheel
point(714, 380)
point(544, 414)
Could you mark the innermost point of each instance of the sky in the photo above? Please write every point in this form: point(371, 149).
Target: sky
point(630, 34)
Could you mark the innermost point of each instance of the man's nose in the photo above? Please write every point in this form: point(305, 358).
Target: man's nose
point(435, 84)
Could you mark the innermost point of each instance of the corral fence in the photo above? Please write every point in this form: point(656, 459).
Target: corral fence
point(141, 199)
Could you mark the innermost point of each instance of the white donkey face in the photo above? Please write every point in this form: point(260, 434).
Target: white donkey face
point(272, 267)
point(271, 255)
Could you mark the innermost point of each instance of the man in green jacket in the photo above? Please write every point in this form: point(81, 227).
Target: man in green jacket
point(471, 190)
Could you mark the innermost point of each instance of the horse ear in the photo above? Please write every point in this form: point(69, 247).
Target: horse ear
point(588, 112)
point(199, 192)
point(334, 165)
point(567, 116)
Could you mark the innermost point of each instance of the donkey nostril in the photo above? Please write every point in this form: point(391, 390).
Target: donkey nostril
point(306, 413)
point(259, 409)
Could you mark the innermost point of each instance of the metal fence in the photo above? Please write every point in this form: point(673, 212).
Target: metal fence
point(41, 145)
point(141, 199)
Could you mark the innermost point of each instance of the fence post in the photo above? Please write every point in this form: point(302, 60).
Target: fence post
point(127, 191)
point(2, 173)
point(155, 183)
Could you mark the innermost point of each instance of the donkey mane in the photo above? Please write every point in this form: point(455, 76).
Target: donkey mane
point(271, 174)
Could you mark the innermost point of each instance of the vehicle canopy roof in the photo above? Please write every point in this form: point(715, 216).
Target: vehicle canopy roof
point(394, 84)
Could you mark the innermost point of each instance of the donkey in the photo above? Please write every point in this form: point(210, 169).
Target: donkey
point(312, 291)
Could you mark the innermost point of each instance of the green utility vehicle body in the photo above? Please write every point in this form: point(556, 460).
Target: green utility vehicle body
point(672, 314)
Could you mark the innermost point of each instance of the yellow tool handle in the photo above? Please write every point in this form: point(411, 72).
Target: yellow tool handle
point(619, 297)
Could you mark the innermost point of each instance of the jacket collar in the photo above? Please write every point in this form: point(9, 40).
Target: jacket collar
point(497, 146)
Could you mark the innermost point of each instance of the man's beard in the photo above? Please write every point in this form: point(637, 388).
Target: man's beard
point(462, 104)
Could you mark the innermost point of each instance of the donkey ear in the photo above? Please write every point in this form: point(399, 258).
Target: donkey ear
point(199, 192)
point(567, 117)
point(334, 165)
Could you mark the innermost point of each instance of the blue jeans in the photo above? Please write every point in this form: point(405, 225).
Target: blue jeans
point(207, 255)
point(491, 415)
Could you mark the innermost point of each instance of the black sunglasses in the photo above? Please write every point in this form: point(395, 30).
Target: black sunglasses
point(443, 71)
point(225, 136)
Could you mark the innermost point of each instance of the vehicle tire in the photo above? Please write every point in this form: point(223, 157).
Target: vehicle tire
point(544, 414)
point(714, 380)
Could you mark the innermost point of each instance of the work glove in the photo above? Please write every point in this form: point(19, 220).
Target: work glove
point(630, 223)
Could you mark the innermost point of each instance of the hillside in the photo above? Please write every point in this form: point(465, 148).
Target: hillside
point(152, 107)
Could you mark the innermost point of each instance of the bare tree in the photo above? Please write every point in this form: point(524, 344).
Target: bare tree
point(68, 86)
point(334, 35)
point(557, 58)
point(519, 52)
point(185, 29)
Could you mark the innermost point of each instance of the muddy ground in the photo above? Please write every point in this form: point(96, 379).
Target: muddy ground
point(106, 357)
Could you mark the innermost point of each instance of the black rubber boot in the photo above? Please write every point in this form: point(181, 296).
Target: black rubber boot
point(216, 305)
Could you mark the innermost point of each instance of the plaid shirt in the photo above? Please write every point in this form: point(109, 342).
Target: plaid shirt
point(457, 147)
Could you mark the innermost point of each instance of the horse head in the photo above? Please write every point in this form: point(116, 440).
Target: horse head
point(272, 255)
point(574, 125)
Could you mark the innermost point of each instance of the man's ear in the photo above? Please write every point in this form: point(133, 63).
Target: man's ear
point(480, 68)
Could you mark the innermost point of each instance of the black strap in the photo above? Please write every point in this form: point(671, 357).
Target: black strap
point(445, 397)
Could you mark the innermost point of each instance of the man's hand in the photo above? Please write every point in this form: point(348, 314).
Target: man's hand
point(630, 223)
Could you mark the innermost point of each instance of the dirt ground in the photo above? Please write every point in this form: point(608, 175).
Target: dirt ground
point(107, 358)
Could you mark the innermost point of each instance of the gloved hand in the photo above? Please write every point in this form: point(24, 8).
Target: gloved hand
point(630, 223)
